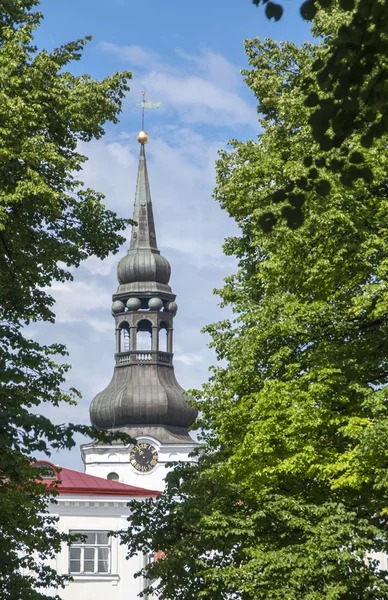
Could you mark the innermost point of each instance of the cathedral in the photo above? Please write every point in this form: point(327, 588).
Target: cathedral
point(143, 400)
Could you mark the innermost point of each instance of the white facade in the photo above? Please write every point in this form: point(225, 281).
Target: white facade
point(95, 513)
point(98, 514)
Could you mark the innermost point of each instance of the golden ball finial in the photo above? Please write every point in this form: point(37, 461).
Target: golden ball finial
point(142, 137)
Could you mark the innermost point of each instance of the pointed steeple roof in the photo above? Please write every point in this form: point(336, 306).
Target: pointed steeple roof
point(143, 268)
point(143, 233)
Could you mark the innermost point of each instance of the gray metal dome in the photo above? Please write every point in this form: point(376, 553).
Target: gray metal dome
point(146, 395)
point(143, 266)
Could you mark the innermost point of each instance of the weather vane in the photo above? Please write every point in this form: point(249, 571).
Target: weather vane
point(146, 104)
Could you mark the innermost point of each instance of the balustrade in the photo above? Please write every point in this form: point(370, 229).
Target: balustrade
point(140, 356)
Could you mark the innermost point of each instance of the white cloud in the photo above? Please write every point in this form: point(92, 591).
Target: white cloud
point(189, 359)
point(96, 266)
point(199, 100)
point(77, 301)
point(216, 68)
point(135, 55)
point(204, 88)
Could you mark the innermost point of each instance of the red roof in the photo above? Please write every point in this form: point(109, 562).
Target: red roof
point(73, 482)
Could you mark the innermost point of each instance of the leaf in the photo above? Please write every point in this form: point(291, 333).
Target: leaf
point(312, 100)
point(308, 10)
point(367, 140)
point(347, 5)
point(302, 183)
point(297, 200)
point(323, 187)
point(267, 221)
point(289, 488)
point(367, 174)
point(279, 196)
point(273, 10)
point(293, 216)
point(325, 3)
point(356, 158)
point(308, 161)
point(326, 143)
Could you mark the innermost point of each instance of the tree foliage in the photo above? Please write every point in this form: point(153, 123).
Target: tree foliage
point(49, 222)
point(288, 498)
point(346, 91)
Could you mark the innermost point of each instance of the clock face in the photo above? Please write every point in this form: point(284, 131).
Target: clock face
point(143, 457)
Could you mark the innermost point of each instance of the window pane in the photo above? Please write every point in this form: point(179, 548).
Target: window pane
point(90, 537)
point(103, 560)
point(89, 553)
point(88, 566)
point(78, 540)
point(102, 537)
point(75, 553)
point(103, 567)
point(75, 566)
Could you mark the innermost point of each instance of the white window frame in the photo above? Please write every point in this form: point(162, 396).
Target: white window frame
point(82, 545)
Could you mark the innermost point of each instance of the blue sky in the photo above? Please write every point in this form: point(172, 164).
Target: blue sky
point(188, 55)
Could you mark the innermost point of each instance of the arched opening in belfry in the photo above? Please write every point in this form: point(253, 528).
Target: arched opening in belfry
point(125, 344)
point(144, 335)
point(163, 332)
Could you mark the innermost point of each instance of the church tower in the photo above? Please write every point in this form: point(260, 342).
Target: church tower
point(143, 398)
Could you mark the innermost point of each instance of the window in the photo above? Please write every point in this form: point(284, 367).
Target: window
point(113, 476)
point(91, 553)
point(46, 470)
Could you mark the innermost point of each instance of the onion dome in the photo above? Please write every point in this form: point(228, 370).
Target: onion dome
point(143, 266)
point(142, 395)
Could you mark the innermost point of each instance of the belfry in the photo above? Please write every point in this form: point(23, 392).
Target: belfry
point(143, 399)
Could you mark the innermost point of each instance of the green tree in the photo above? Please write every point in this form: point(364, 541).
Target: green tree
point(347, 88)
point(288, 499)
point(49, 223)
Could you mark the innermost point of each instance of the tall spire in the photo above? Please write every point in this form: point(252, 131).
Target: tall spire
point(143, 262)
point(143, 235)
point(144, 394)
